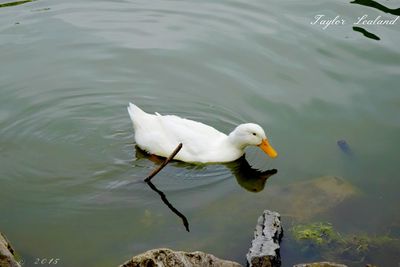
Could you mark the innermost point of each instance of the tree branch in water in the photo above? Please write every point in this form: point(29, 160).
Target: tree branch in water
point(151, 175)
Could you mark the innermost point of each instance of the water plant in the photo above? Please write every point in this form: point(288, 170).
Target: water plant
point(316, 233)
point(322, 239)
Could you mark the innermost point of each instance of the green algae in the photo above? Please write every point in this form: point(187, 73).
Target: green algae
point(316, 233)
point(321, 238)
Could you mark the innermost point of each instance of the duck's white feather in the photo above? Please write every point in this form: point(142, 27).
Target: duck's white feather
point(160, 135)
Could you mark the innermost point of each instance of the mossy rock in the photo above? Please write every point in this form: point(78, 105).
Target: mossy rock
point(304, 200)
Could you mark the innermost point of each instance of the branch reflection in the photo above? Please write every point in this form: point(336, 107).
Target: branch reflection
point(376, 5)
point(169, 205)
point(366, 33)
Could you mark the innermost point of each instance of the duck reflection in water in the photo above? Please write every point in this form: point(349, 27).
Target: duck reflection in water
point(247, 177)
point(251, 179)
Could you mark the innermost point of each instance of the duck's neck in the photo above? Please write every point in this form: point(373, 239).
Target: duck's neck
point(230, 148)
point(235, 140)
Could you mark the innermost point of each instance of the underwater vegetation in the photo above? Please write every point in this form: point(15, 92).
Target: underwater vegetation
point(323, 240)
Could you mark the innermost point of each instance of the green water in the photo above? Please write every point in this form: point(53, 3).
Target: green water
point(71, 178)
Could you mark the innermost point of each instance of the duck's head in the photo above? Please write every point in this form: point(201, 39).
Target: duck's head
point(251, 134)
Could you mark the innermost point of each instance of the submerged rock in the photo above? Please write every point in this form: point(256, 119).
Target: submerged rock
point(344, 147)
point(318, 195)
point(164, 257)
point(265, 246)
point(7, 254)
point(320, 264)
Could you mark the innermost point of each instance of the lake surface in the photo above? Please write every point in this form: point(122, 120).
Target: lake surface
point(71, 176)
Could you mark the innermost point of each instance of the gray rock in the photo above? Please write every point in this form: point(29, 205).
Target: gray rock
point(264, 251)
point(164, 257)
point(320, 264)
point(7, 253)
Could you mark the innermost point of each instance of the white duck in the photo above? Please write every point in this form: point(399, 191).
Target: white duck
point(160, 135)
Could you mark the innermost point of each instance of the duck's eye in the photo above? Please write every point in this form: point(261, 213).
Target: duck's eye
point(254, 134)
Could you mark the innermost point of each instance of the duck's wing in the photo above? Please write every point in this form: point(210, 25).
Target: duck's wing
point(197, 138)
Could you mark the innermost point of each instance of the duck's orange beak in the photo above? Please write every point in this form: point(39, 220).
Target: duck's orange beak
point(267, 148)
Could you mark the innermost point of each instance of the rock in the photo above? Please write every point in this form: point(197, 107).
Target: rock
point(344, 146)
point(164, 257)
point(318, 195)
point(320, 264)
point(7, 253)
point(265, 247)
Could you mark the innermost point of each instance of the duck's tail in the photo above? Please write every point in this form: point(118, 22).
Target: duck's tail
point(134, 111)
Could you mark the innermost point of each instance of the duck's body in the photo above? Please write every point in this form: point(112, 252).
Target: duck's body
point(160, 135)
